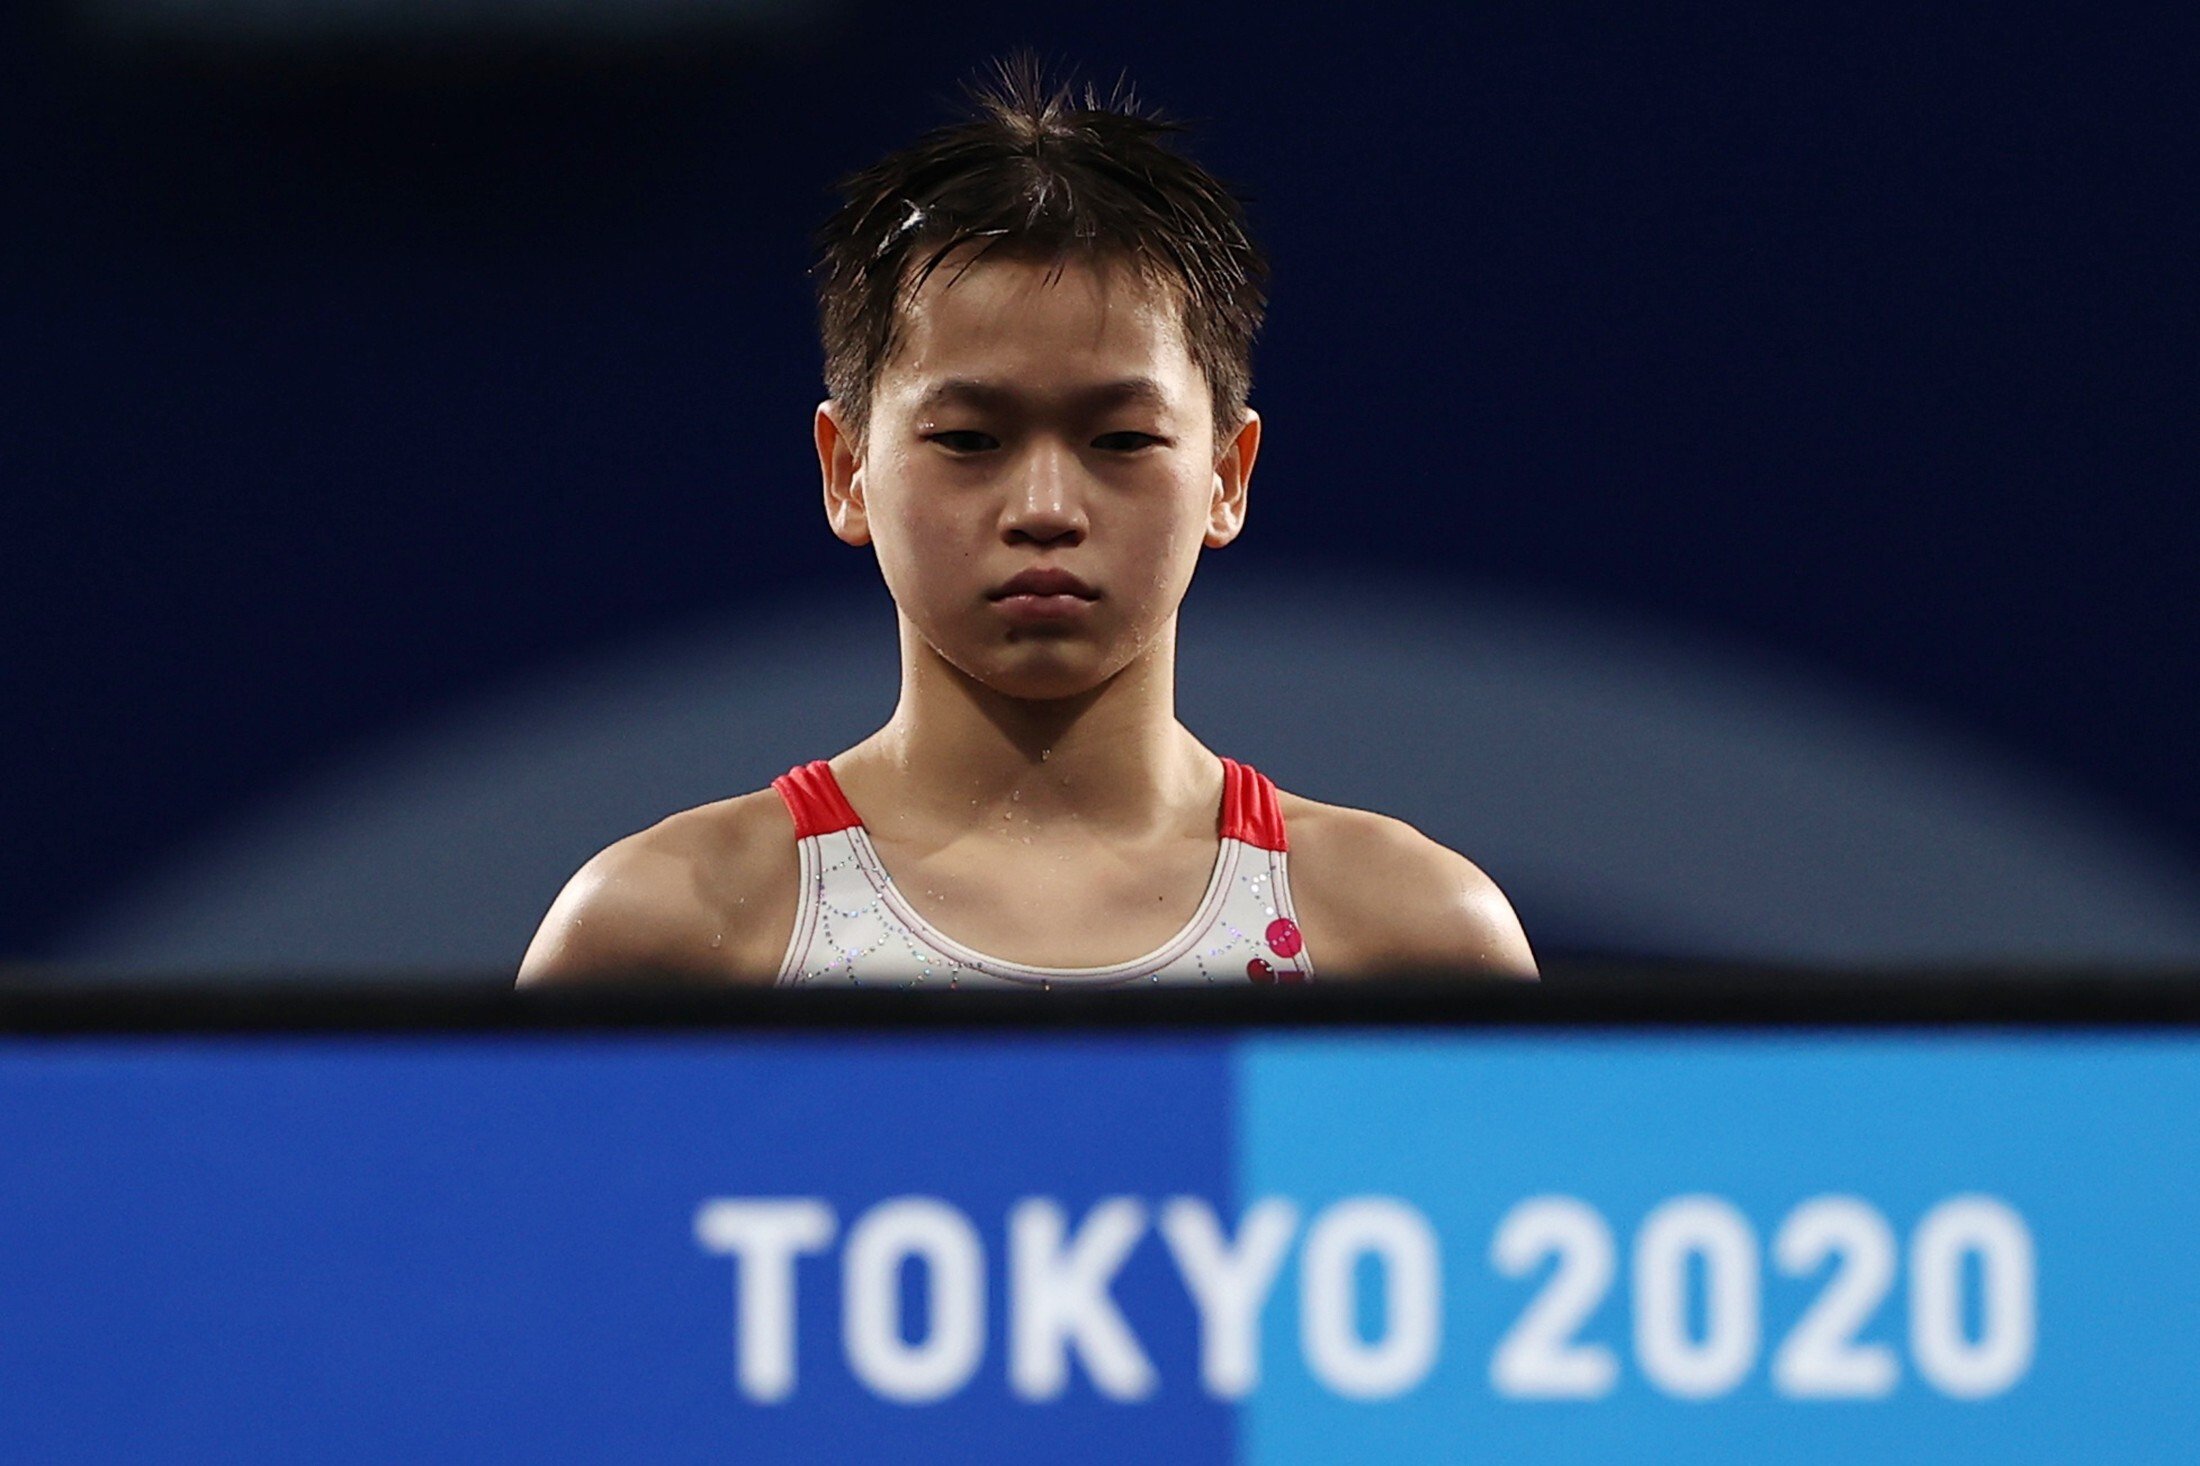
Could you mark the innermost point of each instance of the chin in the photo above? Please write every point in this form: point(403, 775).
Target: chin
point(1038, 672)
point(1038, 664)
point(1049, 683)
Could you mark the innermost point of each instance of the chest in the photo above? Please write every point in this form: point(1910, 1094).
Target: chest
point(1044, 902)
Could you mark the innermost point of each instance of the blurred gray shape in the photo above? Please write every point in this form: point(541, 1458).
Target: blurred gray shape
point(1632, 788)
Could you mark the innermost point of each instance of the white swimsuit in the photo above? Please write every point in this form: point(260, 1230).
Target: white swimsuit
point(856, 929)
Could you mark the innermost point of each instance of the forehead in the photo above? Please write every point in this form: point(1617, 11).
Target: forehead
point(1038, 325)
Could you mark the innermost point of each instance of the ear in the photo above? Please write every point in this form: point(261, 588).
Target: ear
point(1233, 471)
point(840, 462)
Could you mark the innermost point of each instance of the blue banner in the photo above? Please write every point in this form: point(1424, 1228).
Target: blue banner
point(1550, 1246)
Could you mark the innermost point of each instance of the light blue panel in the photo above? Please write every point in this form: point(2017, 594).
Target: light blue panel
point(2092, 1140)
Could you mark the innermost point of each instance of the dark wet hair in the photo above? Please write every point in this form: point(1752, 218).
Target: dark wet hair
point(1039, 170)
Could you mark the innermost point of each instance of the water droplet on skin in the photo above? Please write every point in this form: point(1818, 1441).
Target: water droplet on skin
point(1045, 754)
point(718, 941)
point(1015, 794)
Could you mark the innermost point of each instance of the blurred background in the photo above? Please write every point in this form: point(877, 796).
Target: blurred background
point(1728, 468)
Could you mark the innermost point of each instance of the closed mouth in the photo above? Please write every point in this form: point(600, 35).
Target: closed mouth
point(1048, 582)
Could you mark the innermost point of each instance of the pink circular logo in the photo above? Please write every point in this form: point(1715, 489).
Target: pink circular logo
point(1283, 937)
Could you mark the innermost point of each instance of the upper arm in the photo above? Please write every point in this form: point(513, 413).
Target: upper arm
point(1466, 922)
point(709, 895)
point(623, 913)
point(1377, 896)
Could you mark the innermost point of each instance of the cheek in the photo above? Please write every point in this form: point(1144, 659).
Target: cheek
point(1172, 532)
point(919, 540)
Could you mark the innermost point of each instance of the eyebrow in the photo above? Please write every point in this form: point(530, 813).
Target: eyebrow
point(974, 392)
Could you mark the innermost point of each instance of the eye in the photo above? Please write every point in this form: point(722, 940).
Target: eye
point(1124, 442)
point(964, 440)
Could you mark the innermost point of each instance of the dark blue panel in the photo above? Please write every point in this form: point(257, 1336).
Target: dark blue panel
point(356, 1250)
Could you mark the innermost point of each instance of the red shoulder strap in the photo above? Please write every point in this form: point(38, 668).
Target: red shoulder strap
point(814, 799)
point(1250, 810)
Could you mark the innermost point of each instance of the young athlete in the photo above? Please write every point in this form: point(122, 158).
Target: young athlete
point(1037, 330)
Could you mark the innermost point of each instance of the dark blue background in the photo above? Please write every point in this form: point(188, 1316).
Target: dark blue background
point(348, 383)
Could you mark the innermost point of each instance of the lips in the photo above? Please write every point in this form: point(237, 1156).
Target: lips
point(1043, 582)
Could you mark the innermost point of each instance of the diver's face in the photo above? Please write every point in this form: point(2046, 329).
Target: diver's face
point(1040, 472)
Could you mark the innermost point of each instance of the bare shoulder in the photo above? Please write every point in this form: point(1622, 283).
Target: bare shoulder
point(708, 894)
point(1375, 895)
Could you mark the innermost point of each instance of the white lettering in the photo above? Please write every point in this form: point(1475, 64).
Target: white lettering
point(1230, 1285)
point(1060, 1298)
point(1983, 1227)
point(1539, 1358)
point(1821, 1358)
point(1710, 1230)
point(764, 1235)
point(941, 1237)
point(1401, 1238)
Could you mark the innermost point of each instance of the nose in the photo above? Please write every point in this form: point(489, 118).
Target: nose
point(1045, 503)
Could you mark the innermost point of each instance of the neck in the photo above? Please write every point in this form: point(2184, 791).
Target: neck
point(1113, 759)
